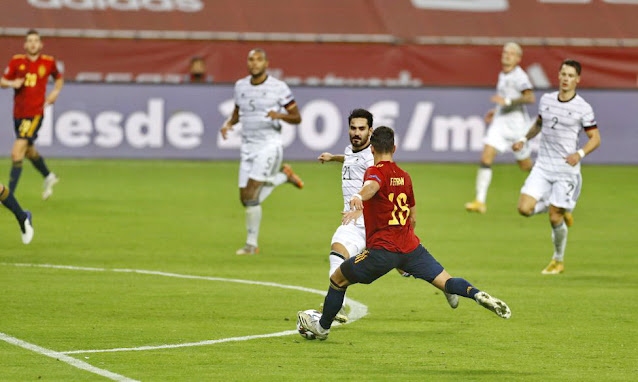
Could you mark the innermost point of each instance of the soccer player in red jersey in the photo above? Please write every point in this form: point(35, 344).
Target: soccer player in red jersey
point(389, 213)
point(28, 74)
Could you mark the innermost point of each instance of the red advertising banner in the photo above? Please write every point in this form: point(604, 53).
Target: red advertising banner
point(335, 64)
point(331, 42)
point(403, 19)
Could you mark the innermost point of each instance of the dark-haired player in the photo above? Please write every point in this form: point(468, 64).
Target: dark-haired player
point(555, 182)
point(389, 211)
point(261, 103)
point(28, 74)
point(24, 217)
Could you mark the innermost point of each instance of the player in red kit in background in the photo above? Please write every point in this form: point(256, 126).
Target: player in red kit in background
point(389, 211)
point(28, 74)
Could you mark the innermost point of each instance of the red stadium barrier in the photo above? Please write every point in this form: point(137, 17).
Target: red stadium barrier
point(332, 42)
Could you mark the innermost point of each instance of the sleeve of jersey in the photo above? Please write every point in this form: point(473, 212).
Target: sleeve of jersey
point(9, 71)
point(524, 83)
point(286, 98)
point(373, 173)
point(588, 120)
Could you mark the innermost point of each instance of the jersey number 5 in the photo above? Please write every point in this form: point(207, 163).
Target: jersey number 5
point(399, 217)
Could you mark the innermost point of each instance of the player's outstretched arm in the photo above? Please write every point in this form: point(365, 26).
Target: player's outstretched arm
point(592, 144)
point(327, 157)
point(370, 188)
point(228, 123)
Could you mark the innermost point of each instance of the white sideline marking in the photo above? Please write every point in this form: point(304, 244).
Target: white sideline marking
point(64, 358)
point(357, 309)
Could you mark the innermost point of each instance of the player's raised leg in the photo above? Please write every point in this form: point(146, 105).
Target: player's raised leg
point(461, 287)
point(24, 217)
point(421, 264)
point(292, 176)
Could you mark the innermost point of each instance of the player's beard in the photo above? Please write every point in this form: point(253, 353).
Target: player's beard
point(257, 75)
point(358, 143)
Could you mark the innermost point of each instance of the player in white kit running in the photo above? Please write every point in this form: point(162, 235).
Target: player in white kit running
point(508, 122)
point(555, 182)
point(261, 103)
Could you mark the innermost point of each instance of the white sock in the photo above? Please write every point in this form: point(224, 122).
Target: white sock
point(541, 206)
point(253, 219)
point(270, 184)
point(335, 262)
point(483, 179)
point(559, 237)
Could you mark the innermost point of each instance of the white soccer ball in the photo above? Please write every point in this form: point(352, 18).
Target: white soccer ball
point(315, 315)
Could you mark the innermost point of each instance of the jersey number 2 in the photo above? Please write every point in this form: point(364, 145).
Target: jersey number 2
point(399, 217)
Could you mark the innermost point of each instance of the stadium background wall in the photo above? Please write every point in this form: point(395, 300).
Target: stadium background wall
point(183, 121)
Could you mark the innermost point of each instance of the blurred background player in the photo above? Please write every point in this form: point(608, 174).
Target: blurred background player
point(389, 211)
point(28, 74)
point(261, 103)
point(350, 239)
point(197, 71)
point(555, 181)
point(24, 217)
point(508, 121)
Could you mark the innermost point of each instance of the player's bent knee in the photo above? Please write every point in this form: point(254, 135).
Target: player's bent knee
point(338, 280)
point(525, 211)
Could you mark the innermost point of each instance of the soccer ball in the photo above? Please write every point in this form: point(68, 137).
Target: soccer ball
point(315, 315)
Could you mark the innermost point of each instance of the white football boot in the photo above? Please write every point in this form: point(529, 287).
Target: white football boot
point(311, 324)
point(48, 184)
point(494, 304)
point(27, 231)
point(452, 299)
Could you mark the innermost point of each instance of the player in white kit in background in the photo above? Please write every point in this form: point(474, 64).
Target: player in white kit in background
point(508, 122)
point(555, 182)
point(261, 103)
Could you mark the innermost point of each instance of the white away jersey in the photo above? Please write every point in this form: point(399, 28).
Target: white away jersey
point(352, 171)
point(562, 121)
point(512, 85)
point(254, 102)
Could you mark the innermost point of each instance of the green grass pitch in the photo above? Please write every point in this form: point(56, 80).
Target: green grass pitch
point(185, 218)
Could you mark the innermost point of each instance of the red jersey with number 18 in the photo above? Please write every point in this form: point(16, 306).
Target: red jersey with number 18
point(387, 213)
point(29, 99)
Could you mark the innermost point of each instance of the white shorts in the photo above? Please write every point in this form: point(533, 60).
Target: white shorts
point(562, 190)
point(352, 237)
point(507, 130)
point(260, 164)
